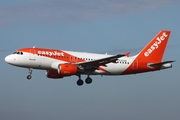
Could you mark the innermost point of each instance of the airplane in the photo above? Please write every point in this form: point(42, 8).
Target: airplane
point(61, 63)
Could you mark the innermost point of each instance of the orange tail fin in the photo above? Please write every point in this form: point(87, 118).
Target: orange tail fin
point(154, 50)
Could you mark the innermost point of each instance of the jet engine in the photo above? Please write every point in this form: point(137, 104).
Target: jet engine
point(63, 71)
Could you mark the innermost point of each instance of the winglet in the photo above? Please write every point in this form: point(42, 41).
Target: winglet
point(127, 54)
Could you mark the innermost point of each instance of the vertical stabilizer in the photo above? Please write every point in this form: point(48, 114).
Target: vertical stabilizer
point(154, 50)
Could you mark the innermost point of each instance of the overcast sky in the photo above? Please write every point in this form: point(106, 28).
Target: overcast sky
point(112, 26)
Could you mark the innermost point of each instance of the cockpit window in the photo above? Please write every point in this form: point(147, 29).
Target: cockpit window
point(19, 53)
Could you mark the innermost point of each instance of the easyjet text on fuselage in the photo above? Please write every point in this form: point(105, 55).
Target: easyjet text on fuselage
point(50, 53)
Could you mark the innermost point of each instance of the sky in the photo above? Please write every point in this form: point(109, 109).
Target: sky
point(112, 26)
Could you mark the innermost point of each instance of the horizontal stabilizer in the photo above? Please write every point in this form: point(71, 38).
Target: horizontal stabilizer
point(160, 64)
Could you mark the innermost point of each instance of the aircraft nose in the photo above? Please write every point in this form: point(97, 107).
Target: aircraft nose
point(8, 59)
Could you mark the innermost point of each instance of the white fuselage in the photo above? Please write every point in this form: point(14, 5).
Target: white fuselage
point(35, 61)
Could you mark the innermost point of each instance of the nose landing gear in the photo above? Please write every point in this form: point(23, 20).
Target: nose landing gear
point(29, 77)
point(30, 72)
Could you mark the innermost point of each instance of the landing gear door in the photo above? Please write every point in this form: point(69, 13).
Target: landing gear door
point(32, 54)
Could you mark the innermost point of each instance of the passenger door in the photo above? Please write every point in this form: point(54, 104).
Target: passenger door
point(32, 54)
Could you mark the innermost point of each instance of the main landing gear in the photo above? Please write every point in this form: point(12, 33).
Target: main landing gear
point(80, 82)
point(30, 72)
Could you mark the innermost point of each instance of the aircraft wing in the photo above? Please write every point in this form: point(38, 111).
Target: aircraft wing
point(101, 62)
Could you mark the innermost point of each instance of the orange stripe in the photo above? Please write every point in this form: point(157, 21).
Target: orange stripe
point(100, 68)
point(51, 53)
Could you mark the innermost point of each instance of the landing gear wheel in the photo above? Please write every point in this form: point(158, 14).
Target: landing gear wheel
point(30, 72)
point(29, 77)
point(88, 80)
point(80, 82)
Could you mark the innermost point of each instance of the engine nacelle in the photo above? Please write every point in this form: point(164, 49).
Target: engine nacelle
point(67, 69)
point(63, 71)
